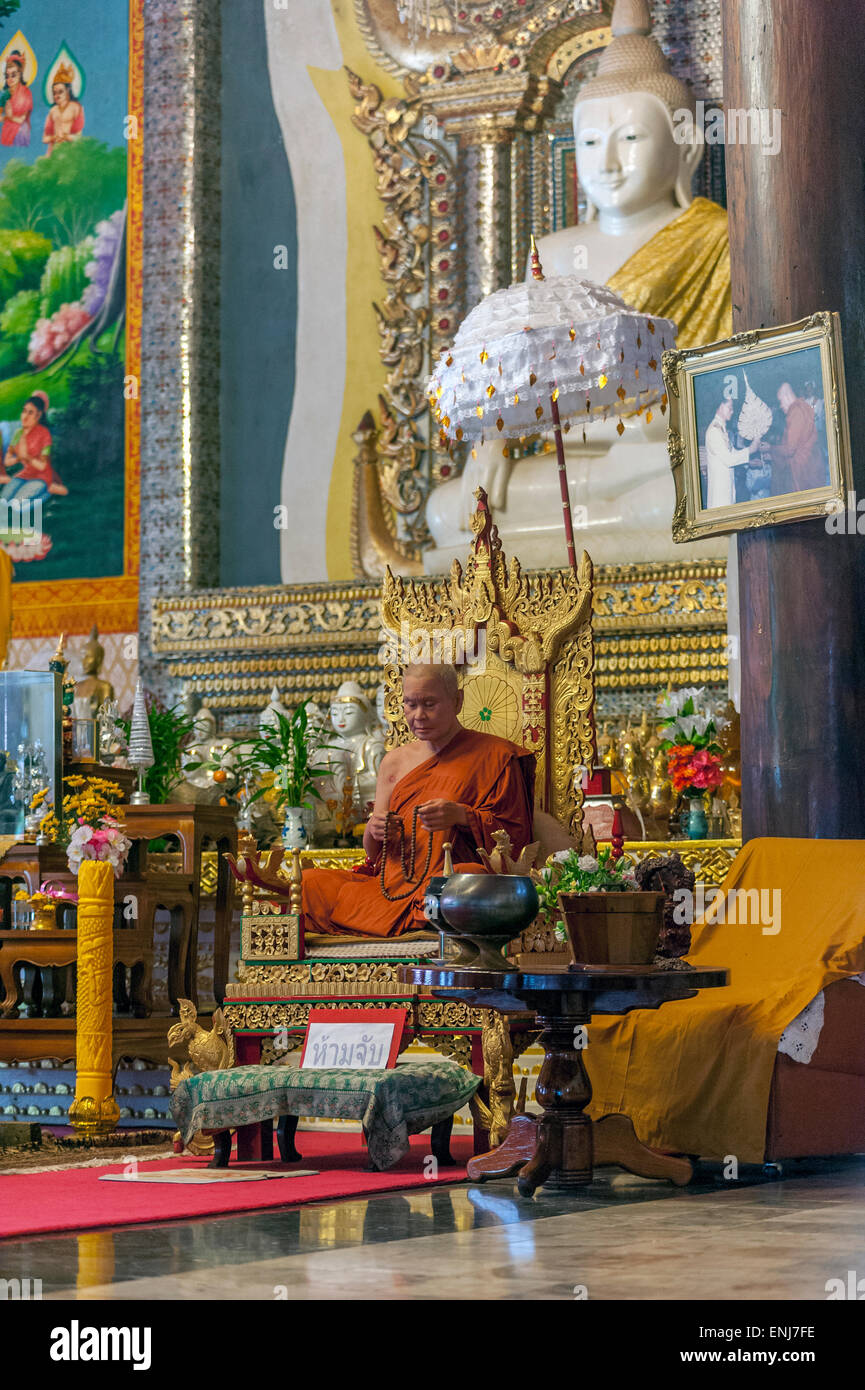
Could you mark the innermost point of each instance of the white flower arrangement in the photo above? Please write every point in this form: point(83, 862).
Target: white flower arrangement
point(688, 715)
point(105, 842)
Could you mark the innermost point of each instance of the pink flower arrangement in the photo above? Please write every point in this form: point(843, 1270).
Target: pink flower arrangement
point(105, 841)
point(51, 336)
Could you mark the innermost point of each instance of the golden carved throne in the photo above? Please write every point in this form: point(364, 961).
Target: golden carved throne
point(528, 673)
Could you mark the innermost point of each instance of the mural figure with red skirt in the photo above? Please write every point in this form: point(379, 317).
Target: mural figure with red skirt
point(30, 447)
point(16, 103)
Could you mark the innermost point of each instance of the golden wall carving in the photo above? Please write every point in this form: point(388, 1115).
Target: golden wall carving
point(654, 625)
point(265, 1016)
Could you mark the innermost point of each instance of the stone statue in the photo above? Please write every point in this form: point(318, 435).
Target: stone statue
point(353, 720)
point(92, 687)
point(661, 260)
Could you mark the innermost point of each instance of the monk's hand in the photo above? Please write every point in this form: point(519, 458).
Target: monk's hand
point(377, 825)
point(441, 815)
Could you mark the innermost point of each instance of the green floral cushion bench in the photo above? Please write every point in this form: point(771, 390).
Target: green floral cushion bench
point(391, 1105)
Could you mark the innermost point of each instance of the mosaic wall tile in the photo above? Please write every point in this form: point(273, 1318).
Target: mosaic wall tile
point(180, 339)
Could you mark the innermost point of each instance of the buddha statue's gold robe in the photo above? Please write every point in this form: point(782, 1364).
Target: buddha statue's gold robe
point(683, 274)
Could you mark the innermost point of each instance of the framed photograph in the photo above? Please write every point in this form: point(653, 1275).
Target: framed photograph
point(758, 428)
point(362, 1039)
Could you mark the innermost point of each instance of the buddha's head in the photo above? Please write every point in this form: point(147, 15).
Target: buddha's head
point(350, 710)
point(93, 654)
point(268, 717)
point(628, 156)
point(203, 725)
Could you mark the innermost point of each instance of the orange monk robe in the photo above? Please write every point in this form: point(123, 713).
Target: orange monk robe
point(490, 777)
point(798, 456)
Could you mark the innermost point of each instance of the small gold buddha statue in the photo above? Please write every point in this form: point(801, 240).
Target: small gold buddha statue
point(608, 749)
point(731, 757)
point(662, 797)
point(92, 687)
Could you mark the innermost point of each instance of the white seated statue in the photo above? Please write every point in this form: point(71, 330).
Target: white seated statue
point(353, 720)
point(660, 260)
point(205, 748)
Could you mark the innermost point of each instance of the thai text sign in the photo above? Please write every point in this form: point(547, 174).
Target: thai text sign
point(361, 1039)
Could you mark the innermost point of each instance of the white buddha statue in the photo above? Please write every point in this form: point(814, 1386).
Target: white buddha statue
point(274, 706)
point(374, 745)
point(205, 748)
point(662, 261)
point(353, 721)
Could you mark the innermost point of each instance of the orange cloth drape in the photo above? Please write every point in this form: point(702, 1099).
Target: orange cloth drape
point(481, 772)
point(695, 1075)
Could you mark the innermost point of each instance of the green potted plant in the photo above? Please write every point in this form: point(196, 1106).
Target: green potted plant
point(170, 731)
point(598, 907)
point(287, 748)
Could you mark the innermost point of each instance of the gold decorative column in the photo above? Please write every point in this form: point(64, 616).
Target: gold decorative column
point(484, 106)
point(94, 1113)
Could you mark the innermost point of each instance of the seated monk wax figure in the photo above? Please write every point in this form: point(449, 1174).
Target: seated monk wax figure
point(464, 786)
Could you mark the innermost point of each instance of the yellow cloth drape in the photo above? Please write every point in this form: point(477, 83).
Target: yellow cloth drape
point(695, 1075)
point(683, 274)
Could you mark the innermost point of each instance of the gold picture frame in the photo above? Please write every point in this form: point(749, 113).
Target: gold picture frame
point(729, 476)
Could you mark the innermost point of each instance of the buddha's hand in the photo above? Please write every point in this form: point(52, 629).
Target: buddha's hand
point(441, 815)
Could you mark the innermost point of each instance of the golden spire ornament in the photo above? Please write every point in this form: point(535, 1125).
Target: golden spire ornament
point(537, 269)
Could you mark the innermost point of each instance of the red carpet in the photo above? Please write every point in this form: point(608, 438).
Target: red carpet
point(75, 1200)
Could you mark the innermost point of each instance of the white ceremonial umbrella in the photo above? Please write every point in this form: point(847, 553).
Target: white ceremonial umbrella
point(543, 351)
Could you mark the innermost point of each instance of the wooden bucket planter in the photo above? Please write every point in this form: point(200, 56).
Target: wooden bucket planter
point(613, 928)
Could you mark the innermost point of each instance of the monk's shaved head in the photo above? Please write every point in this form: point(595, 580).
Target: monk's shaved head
point(439, 671)
point(431, 701)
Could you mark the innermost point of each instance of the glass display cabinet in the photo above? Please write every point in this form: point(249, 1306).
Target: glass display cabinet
point(31, 744)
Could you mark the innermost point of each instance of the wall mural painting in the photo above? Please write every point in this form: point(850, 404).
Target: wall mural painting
point(70, 271)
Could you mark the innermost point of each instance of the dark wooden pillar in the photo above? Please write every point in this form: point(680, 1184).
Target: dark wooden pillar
point(797, 244)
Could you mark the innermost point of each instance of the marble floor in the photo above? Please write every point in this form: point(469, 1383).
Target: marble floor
point(762, 1238)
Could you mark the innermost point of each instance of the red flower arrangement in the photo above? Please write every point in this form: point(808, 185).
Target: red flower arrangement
point(693, 755)
point(693, 770)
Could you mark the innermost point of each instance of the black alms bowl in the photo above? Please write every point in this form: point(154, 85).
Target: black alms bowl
point(488, 910)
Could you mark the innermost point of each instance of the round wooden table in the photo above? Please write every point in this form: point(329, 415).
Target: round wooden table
point(558, 1148)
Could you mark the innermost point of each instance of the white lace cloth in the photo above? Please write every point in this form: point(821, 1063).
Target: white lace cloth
point(800, 1038)
point(521, 344)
